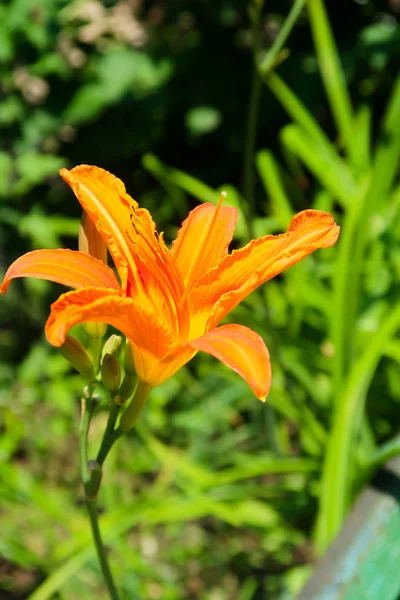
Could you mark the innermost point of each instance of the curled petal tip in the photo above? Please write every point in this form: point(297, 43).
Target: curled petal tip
point(316, 223)
point(241, 349)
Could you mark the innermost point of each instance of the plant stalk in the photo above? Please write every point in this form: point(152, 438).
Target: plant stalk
point(250, 141)
point(91, 478)
point(91, 506)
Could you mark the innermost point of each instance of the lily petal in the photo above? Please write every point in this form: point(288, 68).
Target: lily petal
point(140, 255)
point(239, 273)
point(203, 240)
point(68, 267)
point(104, 199)
point(241, 349)
point(149, 338)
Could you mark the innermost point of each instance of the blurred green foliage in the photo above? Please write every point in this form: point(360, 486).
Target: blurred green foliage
point(215, 496)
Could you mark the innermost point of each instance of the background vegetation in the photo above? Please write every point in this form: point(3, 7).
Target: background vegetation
point(214, 496)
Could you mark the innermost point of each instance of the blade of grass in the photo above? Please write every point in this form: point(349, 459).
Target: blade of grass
point(329, 168)
point(272, 56)
point(383, 453)
point(265, 466)
point(190, 184)
point(332, 75)
point(335, 485)
point(385, 167)
point(171, 509)
point(177, 460)
point(362, 140)
point(270, 176)
point(194, 187)
point(259, 70)
point(354, 239)
point(251, 123)
point(296, 109)
point(340, 328)
point(323, 200)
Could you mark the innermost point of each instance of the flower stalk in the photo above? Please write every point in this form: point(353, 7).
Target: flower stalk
point(91, 473)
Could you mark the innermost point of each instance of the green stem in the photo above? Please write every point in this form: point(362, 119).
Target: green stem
point(254, 103)
point(91, 477)
point(91, 506)
point(260, 71)
point(86, 404)
point(110, 434)
point(332, 75)
point(272, 57)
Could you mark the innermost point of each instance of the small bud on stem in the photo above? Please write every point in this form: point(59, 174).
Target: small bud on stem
point(110, 373)
point(79, 357)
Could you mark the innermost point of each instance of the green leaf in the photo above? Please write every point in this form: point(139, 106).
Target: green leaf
point(270, 176)
point(328, 167)
point(332, 74)
point(335, 485)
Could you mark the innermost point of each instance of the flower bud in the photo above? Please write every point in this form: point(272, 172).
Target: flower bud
point(95, 330)
point(110, 373)
point(129, 382)
point(79, 357)
point(112, 346)
point(129, 365)
point(128, 386)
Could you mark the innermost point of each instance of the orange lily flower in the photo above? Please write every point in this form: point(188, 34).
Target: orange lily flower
point(169, 302)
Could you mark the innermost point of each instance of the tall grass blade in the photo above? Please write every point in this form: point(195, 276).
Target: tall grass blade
point(269, 172)
point(332, 75)
point(335, 484)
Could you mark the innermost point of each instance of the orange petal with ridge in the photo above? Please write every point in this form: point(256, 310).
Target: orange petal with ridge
point(149, 338)
point(68, 267)
point(241, 349)
point(239, 273)
point(103, 197)
point(203, 240)
point(130, 234)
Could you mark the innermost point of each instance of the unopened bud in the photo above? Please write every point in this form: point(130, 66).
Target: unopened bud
point(130, 380)
point(79, 357)
point(95, 330)
point(110, 373)
point(135, 407)
point(128, 386)
point(129, 364)
point(112, 346)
